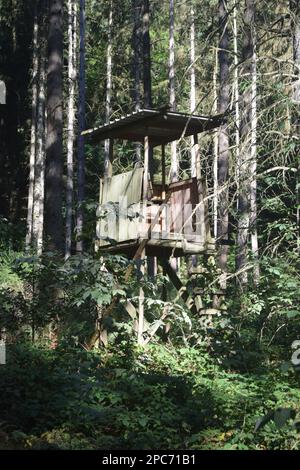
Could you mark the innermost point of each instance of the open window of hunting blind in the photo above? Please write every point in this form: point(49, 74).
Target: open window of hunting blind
point(172, 216)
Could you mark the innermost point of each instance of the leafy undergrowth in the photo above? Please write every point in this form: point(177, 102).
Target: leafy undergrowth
point(159, 398)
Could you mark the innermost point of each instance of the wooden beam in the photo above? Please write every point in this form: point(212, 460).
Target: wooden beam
point(181, 184)
point(182, 290)
point(130, 309)
point(163, 171)
point(146, 168)
point(141, 302)
point(108, 170)
point(198, 162)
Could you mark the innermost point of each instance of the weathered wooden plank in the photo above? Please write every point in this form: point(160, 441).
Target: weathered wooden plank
point(188, 213)
point(200, 213)
point(182, 183)
point(119, 192)
point(129, 219)
point(176, 211)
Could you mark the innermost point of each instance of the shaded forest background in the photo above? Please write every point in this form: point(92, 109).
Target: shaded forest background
point(229, 384)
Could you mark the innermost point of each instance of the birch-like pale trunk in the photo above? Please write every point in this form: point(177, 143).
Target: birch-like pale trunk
point(81, 126)
point(40, 160)
point(137, 52)
point(174, 160)
point(223, 139)
point(244, 197)
point(147, 82)
point(193, 105)
point(108, 87)
point(137, 61)
point(236, 94)
point(35, 67)
point(215, 147)
point(41, 150)
point(72, 40)
point(147, 88)
point(253, 168)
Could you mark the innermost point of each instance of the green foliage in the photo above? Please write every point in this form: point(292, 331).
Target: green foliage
point(154, 398)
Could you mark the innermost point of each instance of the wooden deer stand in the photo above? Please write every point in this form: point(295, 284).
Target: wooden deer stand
point(141, 217)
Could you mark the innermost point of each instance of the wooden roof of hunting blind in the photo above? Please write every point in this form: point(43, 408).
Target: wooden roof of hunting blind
point(161, 126)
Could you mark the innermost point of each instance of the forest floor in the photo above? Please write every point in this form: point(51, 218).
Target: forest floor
point(161, 397)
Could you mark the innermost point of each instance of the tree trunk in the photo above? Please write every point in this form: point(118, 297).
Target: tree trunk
point(295, 24)
point(253, 167)
point(81, 126)
point(236, 96)
point(174, 162)
point(137, 52)
point(215, 146)
point(35, 67)
point(54, 150)
point(39, 183)
point(108, 87)
point(72, 38)
point(146, 56)
point(147, 97)
point(137, 39)
point(295, 20)
point(193, 105)
point(223, 144)
point(244, 205)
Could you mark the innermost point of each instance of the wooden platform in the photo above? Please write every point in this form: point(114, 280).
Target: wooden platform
point(159, 248)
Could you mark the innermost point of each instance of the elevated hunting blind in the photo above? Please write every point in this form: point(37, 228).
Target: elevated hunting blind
point(139, 215)
point(170, 218)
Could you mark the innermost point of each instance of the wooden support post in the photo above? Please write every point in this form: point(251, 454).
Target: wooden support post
point(164, 296)
point(108, 163)
point(142, 254)
point(97, 242)
point(163, 171)
point(146, 169)
point(164, 287)
point(141, 303)
point(197, 159)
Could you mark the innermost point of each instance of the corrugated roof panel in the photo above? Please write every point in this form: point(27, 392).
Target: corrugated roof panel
point(161, 126)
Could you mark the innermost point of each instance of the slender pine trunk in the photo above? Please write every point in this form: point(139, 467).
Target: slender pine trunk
point(215, 146)
point(54, 145)
point(236, 94)
point(108, 86)
point(147, 86)
point(223, 144)
point(137, 40)
point(39, 184)
point(253, 168)
point(244, 197)
point(72, 38)
point(81, 126)
point(137, 52)
point(194, 145)
point(147, 82)
point(174, 161)
point(295, 27)
point(35, 67)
